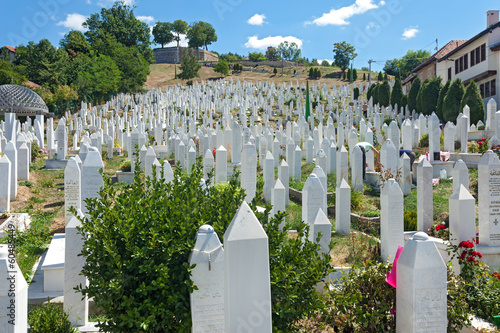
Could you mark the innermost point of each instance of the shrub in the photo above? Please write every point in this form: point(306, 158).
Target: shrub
point(451, 103)
point(275, 71)
point(222, 67)
point(126, 166)
point(49, 318)
point(36, 152)
point(384, 93)
point(356, 199)
point(412, 95)
point(356, 93)
point(397, 94)
point(380, 77)
point(472, 98)
point(141, 280)
point(26, 183)
point(369, 92)
point(348, 74)
point(404, 101)
point(442, 95)
point(375, 90)
point(317, 73)
point(311, 73)
point(410, 220)
point(424, 141)
point(386, 77)
point(364, 76)
point(354, 74)
point(428, 96)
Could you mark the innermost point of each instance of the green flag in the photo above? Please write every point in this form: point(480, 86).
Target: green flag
point(308, 110)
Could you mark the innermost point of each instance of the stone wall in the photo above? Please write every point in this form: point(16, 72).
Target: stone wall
point(168, 55)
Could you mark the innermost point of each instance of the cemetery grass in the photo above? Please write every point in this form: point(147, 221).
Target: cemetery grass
point(162, 75)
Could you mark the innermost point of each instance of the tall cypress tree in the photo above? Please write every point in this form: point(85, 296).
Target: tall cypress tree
point(428, 96)
point(412, 96)
point(453, 100)
point(384, 94)
point(397, 93)
point(472, 98)
point(442, 94)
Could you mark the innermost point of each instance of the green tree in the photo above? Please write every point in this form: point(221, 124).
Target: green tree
point(344, 54)
point(314, 62)
point(43, 64)
point(401, 68)
point(189, 66)
point(412, 95)
point(380, 77)
point(288, 52)
point(317, 73)
point(272, 53)
point(8, 73)
point(348, 74)
point(428, 96)
point(375, 94)
point(179, 27)
point(364, 76)
point(404, 101)
point(100, 77)
point(120, 22)
point(442, 94)
point(369, 92)
point(453, 100)
point(275, 71)
point(397, 93)
point(222, 67)
point(356, 93)
point(162, 33)
point(74, 43)
point(354, 74)
point(386, 77)
point(325, 63)
point(256, 56)
point(311, 73)
point(201, 34)
point(384, 93)
point(472, 98)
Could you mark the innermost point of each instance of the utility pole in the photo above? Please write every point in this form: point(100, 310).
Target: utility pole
point(370, 72)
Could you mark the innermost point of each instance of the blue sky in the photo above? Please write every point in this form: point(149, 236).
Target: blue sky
point(379, 29)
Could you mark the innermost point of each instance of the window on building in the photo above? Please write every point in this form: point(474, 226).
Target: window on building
point(472, 54)
point(493, 87)
point(488, 89)
point(456, 67)
point(483, 52)
point(462, 63)
point(481, 90)
point(478, 55)
point(449, 73)
point(466, 61)
point(429, 73)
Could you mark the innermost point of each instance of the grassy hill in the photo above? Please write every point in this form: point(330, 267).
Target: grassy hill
point(162, 75)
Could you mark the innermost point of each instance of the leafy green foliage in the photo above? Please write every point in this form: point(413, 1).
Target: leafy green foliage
point(384, 94)
point(344, 54)
point(472, 98)
point(401, 68)
point(275, 71)
point(354, 74)
point(375, 90)
point(201, 34)
point(452, 101)
point(222, 67)
point(289, 51)
point(412, 95)
point(256, 56)
point(9, 73)
point(74, 43)
point(404, 101)
point(101, 76)
point(325, 63)
point(120, 22)
point(410, 220)
point(442, 94)
point(162, 33)
point(272, 53)
point(397, 93)
point(428, 96)
point(49, 317)
point(179, 27)
point(356, 93)
point(189, 66)
point(380, 77)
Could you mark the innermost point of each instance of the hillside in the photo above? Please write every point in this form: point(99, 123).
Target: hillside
point(162, 75)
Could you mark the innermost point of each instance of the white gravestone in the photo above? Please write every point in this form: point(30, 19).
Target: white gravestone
point(313, 198)
point(91, 178)
point(5, 170)
point(489, 199)
point(268, 175)
point(72, 188)
point(321, 225)
point(221, 165)
point(391, 219)
point(357, 168)
point(247, 282)
point(278, 201)
point(462, 216)
point(75, 304)
point(207, 303)
point(342, 164)
point(460, 174)
point(424, 196)
point(249, 171)
point(343, 208)
point(283, 175)
point(421, 293)
point(11, 152)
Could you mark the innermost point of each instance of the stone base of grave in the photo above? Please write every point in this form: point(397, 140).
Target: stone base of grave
point(124, 176)
point(441, 245)
point(372, 178)
point(53, 265)
point(298, 194)
point(55, 164)
point(471, 160)
point(477, 135)
point(161, 151)
point(438, 165)
point(21, 222)
point(491, 255)
point(230, 167)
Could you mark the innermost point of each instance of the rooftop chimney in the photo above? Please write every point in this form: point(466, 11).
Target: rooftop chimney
point(491, 18)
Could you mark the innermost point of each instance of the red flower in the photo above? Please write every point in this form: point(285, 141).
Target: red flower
point(483, 139)
point(462, 256)
point(471, 259)
point(480, 143)
point(466, 244)
point(440, 227)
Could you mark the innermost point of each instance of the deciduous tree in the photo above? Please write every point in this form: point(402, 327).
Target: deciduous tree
point(344, 54)
point(162, 33)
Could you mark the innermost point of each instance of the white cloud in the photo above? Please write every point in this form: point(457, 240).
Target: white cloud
point(328, 60)
point(146, 19)
point(371, 25)
point(89, 2)
point(410, 32)
point(340, 16)
point(255, 43)
point(257, 19)
point(106, 3)
point(381, 3)
point(183, 42)
point(73, 21)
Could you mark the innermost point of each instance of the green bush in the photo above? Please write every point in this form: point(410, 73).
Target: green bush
point(139, 273)
point(311, 73)
point(275, 71)
point(49, 317)
point(442, 95)
point(412, 95)
point(369, 92)
point(380, 77)
point(356, 93)
point(364, 76)
point(36, 152)
point(472, 98)
point(397, 94)
point(126, 166)
point(404, 101)
point(26, 183)
point(354, 74)
point(424, 141)
point(375, 90)
point(428, 96)
point(410, 220)
point(452, 101)
point(384, 94)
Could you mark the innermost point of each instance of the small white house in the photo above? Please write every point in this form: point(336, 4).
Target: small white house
point(477, 59)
